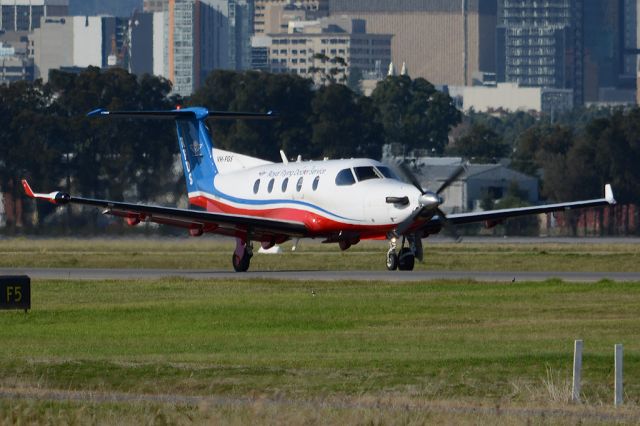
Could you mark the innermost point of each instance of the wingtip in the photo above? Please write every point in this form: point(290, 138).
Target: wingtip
point(27, 189)
point(95, 112)
point(608, 194)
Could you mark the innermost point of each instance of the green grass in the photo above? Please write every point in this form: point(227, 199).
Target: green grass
point(459, 341)
point(214, 253)
point(370, 352)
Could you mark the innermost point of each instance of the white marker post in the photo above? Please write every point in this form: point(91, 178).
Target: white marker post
point(618, 385)
point(577, 370)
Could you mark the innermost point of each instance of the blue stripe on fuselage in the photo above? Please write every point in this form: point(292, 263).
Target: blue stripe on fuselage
point(233, 199)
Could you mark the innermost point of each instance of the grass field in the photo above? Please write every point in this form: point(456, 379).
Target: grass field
point(215, 253)
point(182, 351)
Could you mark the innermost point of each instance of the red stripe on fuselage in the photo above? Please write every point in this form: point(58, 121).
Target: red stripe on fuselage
point(318, 225)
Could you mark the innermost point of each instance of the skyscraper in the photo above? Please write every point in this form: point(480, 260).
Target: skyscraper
point(24, 15)
point(540, 44)
point(444, 41)
point(198, 43)
point(241, 14)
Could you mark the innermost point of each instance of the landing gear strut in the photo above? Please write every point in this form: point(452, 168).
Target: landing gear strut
point(405, 261)
point(242, 255)
point(392, 256)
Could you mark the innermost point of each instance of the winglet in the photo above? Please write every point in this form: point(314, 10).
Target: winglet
point(608, 194)
point(54, 197)
point(99, 111)
point(27, 189)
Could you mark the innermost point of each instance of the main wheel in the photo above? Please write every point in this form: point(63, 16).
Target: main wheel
point(241, 264)
point(392, 261)
point(406, 260)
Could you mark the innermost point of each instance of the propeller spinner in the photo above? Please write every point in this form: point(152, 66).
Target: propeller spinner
point(428, 200)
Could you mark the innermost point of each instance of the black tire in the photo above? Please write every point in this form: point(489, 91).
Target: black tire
point(392, 261)
point(406, 260)
point(241, 265)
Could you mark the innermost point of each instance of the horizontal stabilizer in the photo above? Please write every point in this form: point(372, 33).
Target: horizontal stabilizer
point(186, 113)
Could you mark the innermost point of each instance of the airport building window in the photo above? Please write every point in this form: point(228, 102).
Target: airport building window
point(315, 183)
point(256, 186)
point(299, 185)
point(270, 186)
point(285, 182)
point(345, 177)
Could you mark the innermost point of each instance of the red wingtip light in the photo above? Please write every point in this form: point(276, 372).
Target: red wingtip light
point(178, 107)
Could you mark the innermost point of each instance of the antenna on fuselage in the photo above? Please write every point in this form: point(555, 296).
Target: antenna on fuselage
point(299, 158)
point(284, 157)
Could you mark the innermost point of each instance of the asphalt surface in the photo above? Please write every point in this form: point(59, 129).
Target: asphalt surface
point(398, 276)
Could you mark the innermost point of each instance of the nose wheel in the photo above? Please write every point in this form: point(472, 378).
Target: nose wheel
point(392, 260)
point(403, 261)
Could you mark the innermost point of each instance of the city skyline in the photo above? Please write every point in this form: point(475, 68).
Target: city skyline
point(561, 44)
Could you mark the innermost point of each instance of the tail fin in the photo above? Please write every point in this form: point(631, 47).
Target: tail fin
point(194, 140)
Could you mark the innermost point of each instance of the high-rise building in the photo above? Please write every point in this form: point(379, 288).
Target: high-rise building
point(314, 8)
point(630, 36)
point(241, 14)
point(444, 41)
point(540, 44)
point(198, 40)
point(152, 6)
point(100, 41)
point(13, 66)
point(24, 15)
point(329, 49)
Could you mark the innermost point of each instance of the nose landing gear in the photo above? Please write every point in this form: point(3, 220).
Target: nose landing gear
point(405, 261)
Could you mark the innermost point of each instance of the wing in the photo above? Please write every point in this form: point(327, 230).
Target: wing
point(497, 216)
point(260, 229)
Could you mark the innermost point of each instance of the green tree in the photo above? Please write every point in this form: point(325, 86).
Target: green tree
point(344, 124)
point(414, 114)
point(30, 145)
point(480, 145)
point(111, 157)
point(288, 95)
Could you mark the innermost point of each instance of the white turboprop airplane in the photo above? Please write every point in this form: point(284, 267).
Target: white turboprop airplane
point(339, 201)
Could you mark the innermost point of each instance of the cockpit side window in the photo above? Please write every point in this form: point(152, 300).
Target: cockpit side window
point(345, 178)
point(387, 172)
point(365, 173)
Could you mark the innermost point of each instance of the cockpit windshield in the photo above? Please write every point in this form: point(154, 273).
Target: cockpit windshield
point(365, 173)
point(387, 172)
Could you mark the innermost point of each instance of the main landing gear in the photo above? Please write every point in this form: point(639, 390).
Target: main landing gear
point(405, 260)
point(242, 255)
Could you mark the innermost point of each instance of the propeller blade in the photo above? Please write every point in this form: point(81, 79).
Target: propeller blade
point(452, 178)
point(449, 226)
point(406, 224)
point(410, 176)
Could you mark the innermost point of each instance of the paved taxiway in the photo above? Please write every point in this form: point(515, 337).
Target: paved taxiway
point(398, 276)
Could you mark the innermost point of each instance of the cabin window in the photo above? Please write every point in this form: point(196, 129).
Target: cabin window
point(256, 186)
point(387, 172)
point(315, 183)
point(285, 182)
point(365, 173)
point(270, 186)
point(299, 185)
point(345, 177)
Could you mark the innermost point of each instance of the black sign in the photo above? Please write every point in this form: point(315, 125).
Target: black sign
point(15, 292)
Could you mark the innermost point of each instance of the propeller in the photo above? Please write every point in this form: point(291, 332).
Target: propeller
point(428, 200)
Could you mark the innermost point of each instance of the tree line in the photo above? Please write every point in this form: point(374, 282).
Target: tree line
point(46, 136)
